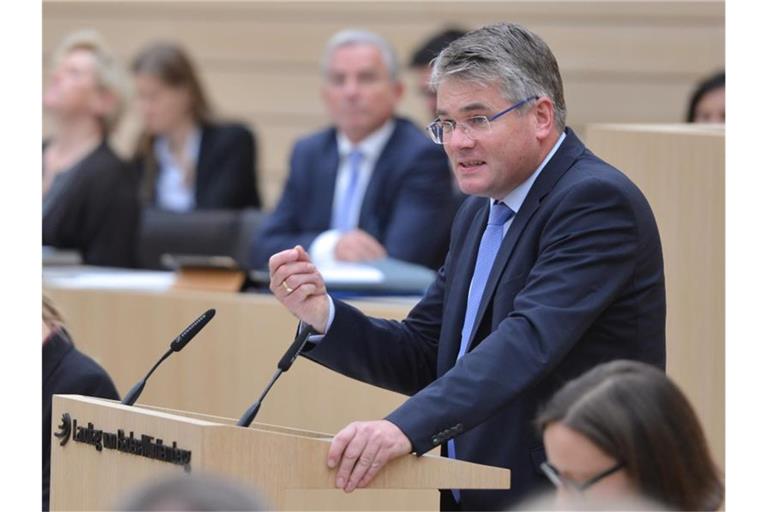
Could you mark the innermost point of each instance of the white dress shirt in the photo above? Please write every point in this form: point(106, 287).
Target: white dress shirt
point(323, 247)
point(172, 193)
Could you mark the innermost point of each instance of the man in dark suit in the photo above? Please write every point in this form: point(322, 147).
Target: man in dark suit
point(553, 269)
point(371, 185)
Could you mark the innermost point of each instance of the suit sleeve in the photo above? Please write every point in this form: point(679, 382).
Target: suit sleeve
point(283, 228)
point(423, 211)
point(586, 258)
point(399, 356)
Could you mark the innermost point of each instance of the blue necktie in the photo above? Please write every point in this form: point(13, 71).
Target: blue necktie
point(486, 254)
point(343, 216)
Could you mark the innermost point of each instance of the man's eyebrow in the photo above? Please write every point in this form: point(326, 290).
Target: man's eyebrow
point(471, 107)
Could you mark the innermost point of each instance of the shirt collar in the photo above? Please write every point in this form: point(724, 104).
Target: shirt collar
point(191, 151)
point(371, 146)
point(515, 198)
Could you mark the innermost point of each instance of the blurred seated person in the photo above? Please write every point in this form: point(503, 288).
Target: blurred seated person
point(66, 371)
point(90, 196)
point(421, 63)
point(188, 161)
point(370, 186)
point(707, 103)
point(196, 491)
point(623, 431)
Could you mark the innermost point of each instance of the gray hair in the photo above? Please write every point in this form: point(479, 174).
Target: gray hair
point(508, 54)
point(352, 37)
point(109, 74)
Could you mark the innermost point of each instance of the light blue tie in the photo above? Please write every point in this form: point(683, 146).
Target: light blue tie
point(343, 214)
point(486, 254)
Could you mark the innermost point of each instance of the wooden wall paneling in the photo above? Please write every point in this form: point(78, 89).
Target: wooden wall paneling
point(621, 61)
point(681, 170)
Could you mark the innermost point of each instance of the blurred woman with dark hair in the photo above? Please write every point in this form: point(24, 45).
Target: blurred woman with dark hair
point(624, 431)
point(90, 196)
point(707, 103)
point(188, 161)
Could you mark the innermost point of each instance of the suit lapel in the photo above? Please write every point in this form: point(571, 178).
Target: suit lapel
point(463, 268)
point(560, 162)
point(376, 185)
point(202, 169)
point(324, 179)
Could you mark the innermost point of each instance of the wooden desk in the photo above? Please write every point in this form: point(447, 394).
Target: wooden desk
point(223, 370)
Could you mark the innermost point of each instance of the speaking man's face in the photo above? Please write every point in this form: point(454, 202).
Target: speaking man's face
point(493, 162)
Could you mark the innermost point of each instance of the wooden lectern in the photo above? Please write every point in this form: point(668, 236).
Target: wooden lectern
point(100, 449)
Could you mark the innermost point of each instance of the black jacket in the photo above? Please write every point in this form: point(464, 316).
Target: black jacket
point(225, 176)
point(94, 208)
point(66, 370)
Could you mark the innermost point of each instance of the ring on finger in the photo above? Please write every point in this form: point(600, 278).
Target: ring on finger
point(287, 288)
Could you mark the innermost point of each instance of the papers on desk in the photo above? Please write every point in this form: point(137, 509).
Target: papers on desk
point(350, 273)
point(384, 276)
point(80, 277)
point(387, 276)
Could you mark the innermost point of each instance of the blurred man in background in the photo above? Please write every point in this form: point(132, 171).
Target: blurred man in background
point(370, 186)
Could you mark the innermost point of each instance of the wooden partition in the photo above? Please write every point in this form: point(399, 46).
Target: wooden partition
point(620, 61)
point(285, 465)
point(223, 370)
point(681, 170)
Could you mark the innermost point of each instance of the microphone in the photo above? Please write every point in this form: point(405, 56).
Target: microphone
point(282, 366)
point(176, 345)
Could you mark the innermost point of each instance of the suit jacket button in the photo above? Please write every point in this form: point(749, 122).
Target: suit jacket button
point(435, 441)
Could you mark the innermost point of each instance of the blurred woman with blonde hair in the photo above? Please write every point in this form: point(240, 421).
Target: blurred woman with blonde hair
point(90, 196)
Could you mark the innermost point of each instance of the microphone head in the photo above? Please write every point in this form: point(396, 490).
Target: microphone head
point(191, 331)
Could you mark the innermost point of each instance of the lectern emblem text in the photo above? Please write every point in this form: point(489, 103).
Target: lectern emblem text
point(142, 445)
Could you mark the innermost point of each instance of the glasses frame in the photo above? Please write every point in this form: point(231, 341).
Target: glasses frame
point(558, 480)
point(436, 130)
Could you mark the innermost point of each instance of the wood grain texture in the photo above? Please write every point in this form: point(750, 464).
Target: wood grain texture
point(287, 468)
point(681, 170)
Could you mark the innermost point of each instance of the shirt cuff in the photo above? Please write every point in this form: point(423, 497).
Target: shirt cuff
point(317, 338)
point(323, 247)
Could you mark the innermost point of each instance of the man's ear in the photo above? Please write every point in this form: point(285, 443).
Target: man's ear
point(544, 117)
point(398, 88)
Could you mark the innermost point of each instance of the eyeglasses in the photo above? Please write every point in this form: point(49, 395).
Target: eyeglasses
point(560, 481)
point(472, 127)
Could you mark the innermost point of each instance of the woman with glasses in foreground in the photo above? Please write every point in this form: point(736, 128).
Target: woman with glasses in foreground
point(625, 431)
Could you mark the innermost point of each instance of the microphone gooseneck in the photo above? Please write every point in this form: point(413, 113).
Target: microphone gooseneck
point(176, 345)
point(282, 366)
